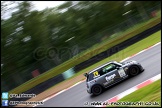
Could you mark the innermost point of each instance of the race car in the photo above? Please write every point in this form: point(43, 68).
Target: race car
point(109, 74)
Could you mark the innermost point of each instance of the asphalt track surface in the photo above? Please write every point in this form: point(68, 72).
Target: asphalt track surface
point(77, 96)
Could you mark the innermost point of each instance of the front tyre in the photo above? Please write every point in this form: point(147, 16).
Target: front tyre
point(133, 71)
point(96, 90)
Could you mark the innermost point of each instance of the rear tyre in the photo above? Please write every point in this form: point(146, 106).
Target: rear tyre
point(96, 90)
point(133, 71)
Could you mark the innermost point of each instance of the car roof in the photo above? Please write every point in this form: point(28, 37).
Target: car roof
point(101, 66)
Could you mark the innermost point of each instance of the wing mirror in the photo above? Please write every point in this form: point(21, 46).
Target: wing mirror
point(85, 74)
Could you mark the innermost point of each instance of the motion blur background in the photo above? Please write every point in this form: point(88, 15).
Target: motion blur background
point(33, 42)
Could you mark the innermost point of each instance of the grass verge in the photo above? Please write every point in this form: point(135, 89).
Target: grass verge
point(149, 96)
point(78, 59)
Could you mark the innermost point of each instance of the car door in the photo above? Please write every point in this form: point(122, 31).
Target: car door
point(111, 75)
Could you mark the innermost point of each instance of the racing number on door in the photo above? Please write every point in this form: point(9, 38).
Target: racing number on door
point(121, 72)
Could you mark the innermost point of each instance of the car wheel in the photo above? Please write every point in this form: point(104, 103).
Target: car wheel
point(96, 90)
point(133, 71)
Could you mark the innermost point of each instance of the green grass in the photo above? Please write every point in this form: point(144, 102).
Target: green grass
point(149, 93)
point(82, 57)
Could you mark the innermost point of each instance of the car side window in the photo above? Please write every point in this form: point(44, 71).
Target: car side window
point(108, 68)
point(101, 71)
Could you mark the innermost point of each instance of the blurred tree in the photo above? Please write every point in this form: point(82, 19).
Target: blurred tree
point(15, 39)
